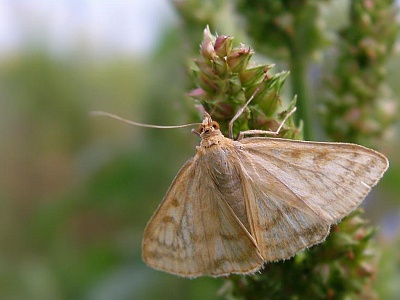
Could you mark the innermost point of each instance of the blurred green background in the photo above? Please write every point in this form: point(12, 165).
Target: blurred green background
point(76, 191)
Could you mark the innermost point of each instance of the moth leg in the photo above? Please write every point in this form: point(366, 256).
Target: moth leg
point(274, 133)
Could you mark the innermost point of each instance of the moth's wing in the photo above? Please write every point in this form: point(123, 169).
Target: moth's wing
point(296, 190)
point(194, 232)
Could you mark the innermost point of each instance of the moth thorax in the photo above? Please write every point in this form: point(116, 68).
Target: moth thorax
point(212, 139)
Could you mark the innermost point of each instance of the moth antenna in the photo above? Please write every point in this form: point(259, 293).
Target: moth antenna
point(106, 114)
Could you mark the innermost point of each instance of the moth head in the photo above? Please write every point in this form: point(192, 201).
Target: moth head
point(208, 127)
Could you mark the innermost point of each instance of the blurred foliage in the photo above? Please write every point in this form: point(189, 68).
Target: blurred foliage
point(359, 106)
point(387, 283)
point(76, 191)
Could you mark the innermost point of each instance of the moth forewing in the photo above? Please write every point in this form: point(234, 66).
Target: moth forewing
point(282, 224)
point(295, 190)
point(330, 178)
point(194, 232)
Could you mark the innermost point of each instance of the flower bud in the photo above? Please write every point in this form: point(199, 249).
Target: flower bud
point(238, 59)
point(223, 45)
point(207, 45)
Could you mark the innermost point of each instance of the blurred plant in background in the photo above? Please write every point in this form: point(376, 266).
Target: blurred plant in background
point(360, 106)
point(76, 192)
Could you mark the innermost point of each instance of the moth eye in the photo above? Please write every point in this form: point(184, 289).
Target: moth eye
point(200, 129)
point(215, 125)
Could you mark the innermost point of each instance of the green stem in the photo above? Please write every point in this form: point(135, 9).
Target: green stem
point(298, 67)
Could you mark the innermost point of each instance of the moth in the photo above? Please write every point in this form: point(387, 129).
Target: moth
point(239, 204)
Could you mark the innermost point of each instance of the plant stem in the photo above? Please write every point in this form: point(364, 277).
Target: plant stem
point(298, 67)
